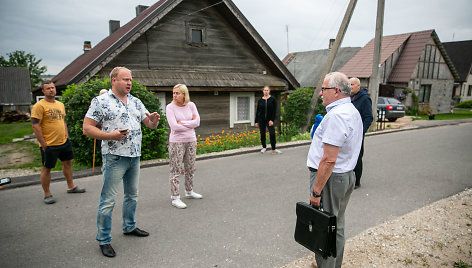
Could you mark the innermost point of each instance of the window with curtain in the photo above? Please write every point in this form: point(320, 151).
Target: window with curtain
point(242, 108)
point(242, 105)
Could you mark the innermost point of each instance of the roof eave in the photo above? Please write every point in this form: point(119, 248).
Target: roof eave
point(293, 83)
point(445, 56)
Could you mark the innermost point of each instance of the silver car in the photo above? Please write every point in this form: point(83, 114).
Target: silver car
point(392, 108)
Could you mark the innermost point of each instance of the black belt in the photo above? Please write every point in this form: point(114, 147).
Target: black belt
point(312, 169)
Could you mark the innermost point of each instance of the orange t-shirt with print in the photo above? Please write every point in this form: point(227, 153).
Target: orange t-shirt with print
point(52, 116)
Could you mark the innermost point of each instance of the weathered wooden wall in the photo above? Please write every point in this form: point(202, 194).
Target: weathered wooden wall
point(164, 46)
point(214, 112)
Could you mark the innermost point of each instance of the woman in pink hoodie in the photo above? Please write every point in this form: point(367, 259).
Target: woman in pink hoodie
point(183, 118)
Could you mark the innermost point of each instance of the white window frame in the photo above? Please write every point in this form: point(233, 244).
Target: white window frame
point(161, 96)
point(233, 105)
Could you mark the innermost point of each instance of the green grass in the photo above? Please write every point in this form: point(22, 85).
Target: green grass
point(19, 130)
point(458, 114)
point(26, 148)
point(14, 130)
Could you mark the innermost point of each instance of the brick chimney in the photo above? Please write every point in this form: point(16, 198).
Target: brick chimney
point(113, 25)
point(87, 46)
point(140, 8)
point(331, 43)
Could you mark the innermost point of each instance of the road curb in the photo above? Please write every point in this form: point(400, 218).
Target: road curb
point(23, 181)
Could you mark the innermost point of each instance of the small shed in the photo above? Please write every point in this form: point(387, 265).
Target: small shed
point(15, 89)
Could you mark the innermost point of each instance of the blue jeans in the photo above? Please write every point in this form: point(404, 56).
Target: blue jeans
point(116, 169)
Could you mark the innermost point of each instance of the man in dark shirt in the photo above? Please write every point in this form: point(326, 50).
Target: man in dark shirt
point(363, 103)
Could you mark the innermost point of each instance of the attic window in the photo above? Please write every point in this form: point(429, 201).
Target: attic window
point(197, 36)
point(196, 33)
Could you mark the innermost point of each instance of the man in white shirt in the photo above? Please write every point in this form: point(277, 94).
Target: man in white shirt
point(333, 155)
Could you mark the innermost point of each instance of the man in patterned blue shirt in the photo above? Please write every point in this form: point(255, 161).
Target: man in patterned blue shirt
point(120, 115)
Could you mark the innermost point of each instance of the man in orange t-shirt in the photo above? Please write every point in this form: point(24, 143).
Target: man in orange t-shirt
point(50, 128)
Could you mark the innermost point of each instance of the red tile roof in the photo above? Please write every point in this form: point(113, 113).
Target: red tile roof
point(414, 44)
point(408, 60)
point(361, 64)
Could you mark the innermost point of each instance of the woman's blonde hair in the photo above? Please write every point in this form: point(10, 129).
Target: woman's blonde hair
point(184, 90)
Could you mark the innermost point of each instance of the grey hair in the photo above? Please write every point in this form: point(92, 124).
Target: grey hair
point(46, 82)
point(340, 81)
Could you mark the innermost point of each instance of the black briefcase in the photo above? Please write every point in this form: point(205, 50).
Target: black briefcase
point(316, 230)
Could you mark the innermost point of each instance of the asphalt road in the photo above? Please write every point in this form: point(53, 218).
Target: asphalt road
point(247, 216)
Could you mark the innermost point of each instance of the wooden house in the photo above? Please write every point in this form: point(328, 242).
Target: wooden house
point(416, 61)
point(208, 45)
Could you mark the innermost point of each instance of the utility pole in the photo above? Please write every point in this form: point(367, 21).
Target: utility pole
point(286, 27)
point(374, 78)
point(329, 62)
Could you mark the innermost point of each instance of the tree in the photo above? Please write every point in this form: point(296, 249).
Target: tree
point(20, 58)
point(77, 98)
point(296, 105)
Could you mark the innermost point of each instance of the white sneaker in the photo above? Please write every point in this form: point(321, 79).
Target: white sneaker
point(193, 195)
point(178, 203)
point(276, 151)
point(263, 150)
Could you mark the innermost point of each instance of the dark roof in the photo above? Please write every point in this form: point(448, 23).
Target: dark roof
point(15, 86)
point(460, 53)
point(307, 66)
point(90, 63)
point(163, 78)
point(414, 44)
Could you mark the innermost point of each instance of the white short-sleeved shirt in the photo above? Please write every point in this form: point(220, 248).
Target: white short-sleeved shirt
point(341, 127)
point(111, 113)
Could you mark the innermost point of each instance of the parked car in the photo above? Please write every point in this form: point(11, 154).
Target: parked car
point(393, 108)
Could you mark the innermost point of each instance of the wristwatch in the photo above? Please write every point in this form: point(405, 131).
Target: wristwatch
point(316, 195)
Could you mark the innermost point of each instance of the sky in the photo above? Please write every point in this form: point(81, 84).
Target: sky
point(55, 30)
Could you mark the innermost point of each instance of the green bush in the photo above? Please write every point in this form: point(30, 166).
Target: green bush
point(465, 104)
point(296, 106)
point(414, 109)
point(77, 98)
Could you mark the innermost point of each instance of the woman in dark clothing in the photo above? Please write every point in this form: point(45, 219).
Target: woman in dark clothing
point(265, 117)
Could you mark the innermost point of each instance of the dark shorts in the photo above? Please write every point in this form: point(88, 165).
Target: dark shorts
point(63, 152)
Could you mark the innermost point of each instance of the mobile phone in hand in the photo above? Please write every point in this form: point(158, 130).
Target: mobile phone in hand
point(4, 181)
point(123, 130)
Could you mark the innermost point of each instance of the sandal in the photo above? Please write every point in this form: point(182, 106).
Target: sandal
point(49, 199)
point(76, 190)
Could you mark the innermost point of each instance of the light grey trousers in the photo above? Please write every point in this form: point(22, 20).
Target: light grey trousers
point(335, 196)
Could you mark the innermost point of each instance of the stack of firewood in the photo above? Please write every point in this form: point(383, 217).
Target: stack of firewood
point(14, 116)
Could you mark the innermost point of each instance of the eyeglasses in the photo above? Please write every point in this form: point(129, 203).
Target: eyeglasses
point(326, 88)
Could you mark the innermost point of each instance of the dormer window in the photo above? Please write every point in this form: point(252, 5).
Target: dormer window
point(196, 33)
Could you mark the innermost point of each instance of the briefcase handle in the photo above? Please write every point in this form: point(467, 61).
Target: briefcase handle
point(321, 204)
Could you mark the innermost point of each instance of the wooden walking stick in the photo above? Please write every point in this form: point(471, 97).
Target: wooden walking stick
point(93, 164)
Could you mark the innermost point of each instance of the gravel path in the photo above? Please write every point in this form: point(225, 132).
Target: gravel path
point(438, 235)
